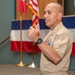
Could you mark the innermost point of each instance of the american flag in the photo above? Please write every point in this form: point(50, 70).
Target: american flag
point(33, 5)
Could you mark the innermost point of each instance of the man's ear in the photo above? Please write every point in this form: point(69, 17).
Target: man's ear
point(60, 15)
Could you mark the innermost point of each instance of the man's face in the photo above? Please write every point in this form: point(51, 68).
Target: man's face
point(51, 15)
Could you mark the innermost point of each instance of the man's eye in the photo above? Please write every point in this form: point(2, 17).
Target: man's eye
point(49, 12)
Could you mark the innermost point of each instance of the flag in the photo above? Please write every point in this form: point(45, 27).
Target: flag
point(27, 44)
point(33, 5)
point(22, 6)
point(69, 23)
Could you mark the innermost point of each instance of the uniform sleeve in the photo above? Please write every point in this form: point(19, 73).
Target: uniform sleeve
point(61, 43)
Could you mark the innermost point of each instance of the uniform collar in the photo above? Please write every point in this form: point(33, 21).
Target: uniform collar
point(56, 28)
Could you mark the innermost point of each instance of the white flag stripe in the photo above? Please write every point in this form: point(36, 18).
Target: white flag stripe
point(72, 31)
point(16, 34)
point(34, 7)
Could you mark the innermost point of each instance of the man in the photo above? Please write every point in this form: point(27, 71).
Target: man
point(57, 45)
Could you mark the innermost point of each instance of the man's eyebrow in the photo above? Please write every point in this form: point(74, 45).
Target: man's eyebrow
point(47, 11)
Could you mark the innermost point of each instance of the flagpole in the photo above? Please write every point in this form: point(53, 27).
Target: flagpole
point(32, 64)
point(21, 61)
point(32, 5)
point(22, 7)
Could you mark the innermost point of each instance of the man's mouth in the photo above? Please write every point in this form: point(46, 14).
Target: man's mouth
point(46, 21)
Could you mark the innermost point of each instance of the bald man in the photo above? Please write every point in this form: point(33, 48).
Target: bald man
point(57, 45)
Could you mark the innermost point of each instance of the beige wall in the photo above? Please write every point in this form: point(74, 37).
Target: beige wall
point(42, 4)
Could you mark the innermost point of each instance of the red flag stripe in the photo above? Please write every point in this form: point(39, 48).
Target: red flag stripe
point(26, 46)
point(34, 21)
point(33, 5)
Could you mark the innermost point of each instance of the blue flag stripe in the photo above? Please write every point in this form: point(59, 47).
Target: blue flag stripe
point(69, 22)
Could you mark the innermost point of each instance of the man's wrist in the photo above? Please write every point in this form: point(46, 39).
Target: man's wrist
point(38, 41)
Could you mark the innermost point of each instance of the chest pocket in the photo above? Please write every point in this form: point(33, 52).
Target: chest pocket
point(50, 40)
